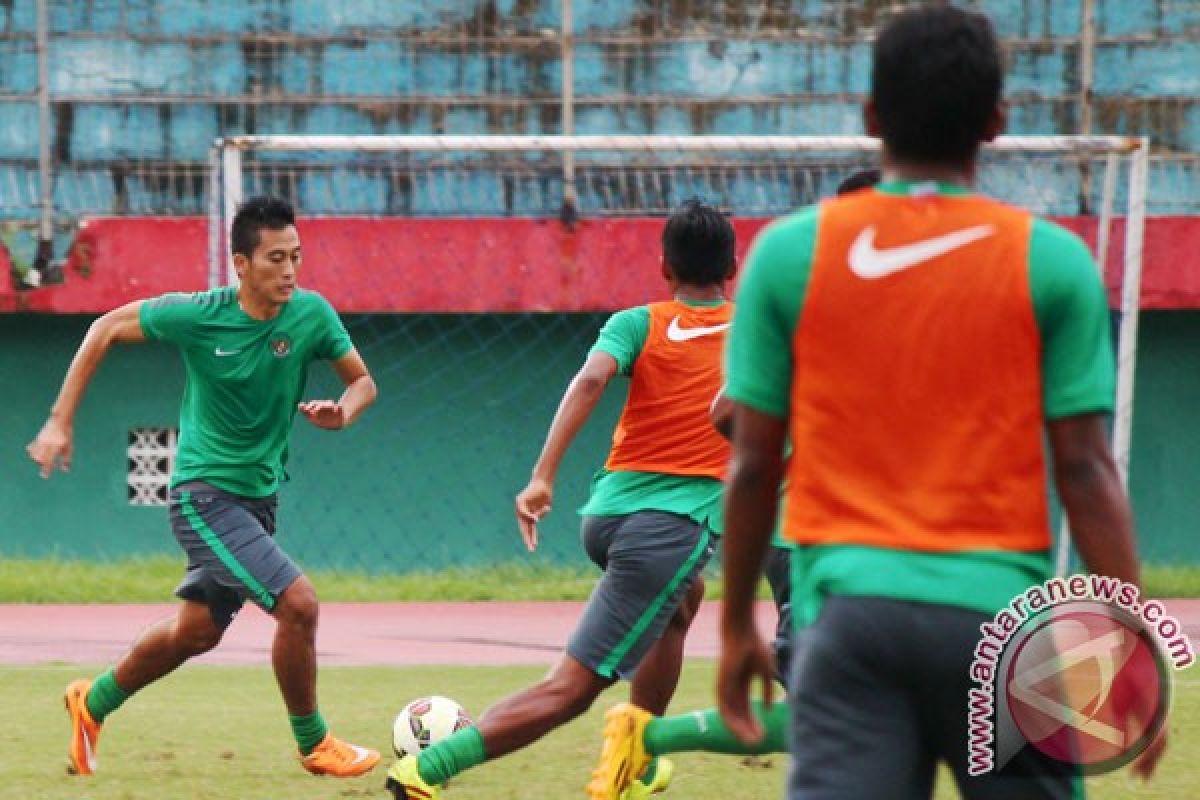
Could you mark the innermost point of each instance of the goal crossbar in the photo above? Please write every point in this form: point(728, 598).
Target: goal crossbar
point(555, 143)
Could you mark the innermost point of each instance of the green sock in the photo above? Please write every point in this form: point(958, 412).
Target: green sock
point(651, 770)
point(456, 753)
point(705, 731)
point(105, 696)
point(309, 730)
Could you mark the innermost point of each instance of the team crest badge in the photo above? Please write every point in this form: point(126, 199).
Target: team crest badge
point(281, 345)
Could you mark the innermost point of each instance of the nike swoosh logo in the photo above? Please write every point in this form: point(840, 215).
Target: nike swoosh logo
point(866, 261)
point(361, 754)
point(221, 352)
point(678, 334)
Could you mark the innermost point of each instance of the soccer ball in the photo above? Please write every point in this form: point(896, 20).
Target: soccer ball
point(426, 721)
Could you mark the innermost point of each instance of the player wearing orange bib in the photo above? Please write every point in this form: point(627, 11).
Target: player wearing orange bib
point(653, 517)
point(633, 737)
point(916, 344)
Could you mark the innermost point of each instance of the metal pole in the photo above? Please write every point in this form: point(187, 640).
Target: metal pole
point(1131, 295)
point(1087, 74)
point(1087, 65)
point(215, 215)
point(1112, 165)
point(231, 180)
point(45, 246)
point(569, 210)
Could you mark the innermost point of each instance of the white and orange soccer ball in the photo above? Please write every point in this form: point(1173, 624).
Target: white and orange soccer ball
point(426, 721)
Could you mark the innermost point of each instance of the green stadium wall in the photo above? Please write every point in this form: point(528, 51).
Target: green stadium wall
point(426, 479)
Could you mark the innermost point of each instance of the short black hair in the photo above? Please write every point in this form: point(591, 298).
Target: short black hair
point(936, 80)
point(862, 179)
point(255, 214)
point(698, 244)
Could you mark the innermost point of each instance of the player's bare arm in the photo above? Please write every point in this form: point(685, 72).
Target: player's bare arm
point(360, 393)
point(52, 446)
point(580, 399)
point(1098, 511)
point(751, 503)
point(721, 414)
point(1090, 487)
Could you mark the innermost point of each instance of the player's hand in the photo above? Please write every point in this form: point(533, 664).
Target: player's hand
point(324, 414)
point(744, 657)
point(51, 447)
point(1145, 764)
point(532, 504)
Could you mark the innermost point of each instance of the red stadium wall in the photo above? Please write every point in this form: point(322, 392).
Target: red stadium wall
point(474, 265)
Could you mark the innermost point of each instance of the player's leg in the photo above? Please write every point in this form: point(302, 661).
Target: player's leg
point(158, 650)
point(952, 634)
point(231, 540)
point(856, 718)
point(164, 646)
point(705, 731)
point(194, 629)
point(294, 648)
point(628, 611)
point(243, 557)
point(656, 561)
point(520, 719)
point(657, 675)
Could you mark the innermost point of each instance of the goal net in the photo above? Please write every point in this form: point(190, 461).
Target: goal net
point(474, 272)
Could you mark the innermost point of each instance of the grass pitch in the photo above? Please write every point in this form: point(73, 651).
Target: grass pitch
point(222, 732)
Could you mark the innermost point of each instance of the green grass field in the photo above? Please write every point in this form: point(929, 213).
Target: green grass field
point(220, 732)
point(153, 579)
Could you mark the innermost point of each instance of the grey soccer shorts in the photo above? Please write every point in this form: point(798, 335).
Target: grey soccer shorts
point(879, 696)
point(777, 568)
point(650, 560)
point(231, 550)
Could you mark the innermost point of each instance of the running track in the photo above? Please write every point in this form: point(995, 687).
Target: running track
point(360, 633)
point(349, 633)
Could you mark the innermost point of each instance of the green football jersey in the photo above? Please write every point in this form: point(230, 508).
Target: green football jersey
point(244, 379)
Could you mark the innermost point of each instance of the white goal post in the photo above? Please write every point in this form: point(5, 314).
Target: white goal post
point(1029, 166)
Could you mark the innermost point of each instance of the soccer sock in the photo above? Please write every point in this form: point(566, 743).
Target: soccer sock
point(309, 730)
point(456, 753)
point(651, 770)
point(706, 731)
point(105, 697)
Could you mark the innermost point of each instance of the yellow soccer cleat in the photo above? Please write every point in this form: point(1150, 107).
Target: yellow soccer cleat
point(405, 783)
point(623, 757)
point(339, 759)
point(662, 779)
point(85, 731)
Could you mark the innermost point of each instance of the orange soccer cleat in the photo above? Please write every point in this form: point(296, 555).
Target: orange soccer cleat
point(340, 759)
point(85, 731)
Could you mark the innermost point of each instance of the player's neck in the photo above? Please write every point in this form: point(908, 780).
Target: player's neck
point(957, 174)
point(698, 294)
point(255, 307)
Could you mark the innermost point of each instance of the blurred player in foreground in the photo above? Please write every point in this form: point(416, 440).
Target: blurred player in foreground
point(633, 736)
point(652, 520)
point(246, 351)
point(914, 344)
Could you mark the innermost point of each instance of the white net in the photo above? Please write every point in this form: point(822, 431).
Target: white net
point(473, 287)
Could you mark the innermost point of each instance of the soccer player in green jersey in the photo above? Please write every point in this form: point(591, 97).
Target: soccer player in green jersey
point(634, 737)
point(930, 354)
point(246, 351)
point(650, 521)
